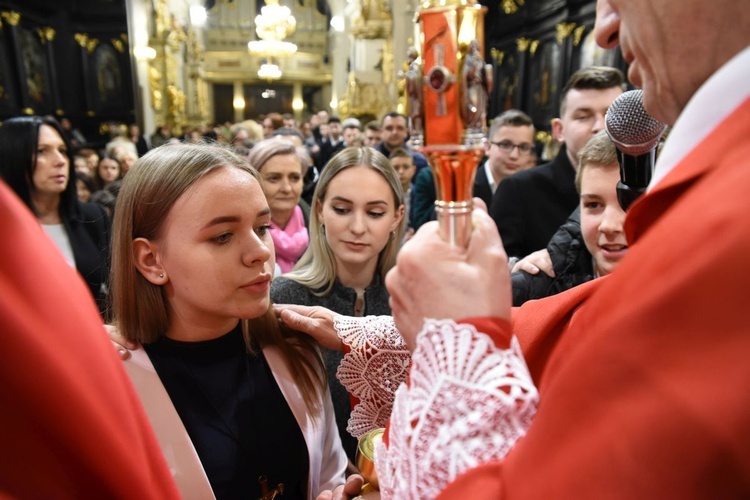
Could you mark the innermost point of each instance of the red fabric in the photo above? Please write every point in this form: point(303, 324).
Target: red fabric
point(71, 422)
point(644, 375)
point(498, 329)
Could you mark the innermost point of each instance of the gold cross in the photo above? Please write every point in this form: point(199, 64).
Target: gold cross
point(269, 495)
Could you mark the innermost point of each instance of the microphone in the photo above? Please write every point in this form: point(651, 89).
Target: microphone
point(635, 135)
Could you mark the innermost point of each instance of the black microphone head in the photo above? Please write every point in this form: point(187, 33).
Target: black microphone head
point(633, 131)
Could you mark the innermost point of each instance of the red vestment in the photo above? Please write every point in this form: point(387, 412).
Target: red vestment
point(643, 376)
point(72, 425)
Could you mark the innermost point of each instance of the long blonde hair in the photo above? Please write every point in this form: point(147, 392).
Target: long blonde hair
point(149, 191)
point(316, 268)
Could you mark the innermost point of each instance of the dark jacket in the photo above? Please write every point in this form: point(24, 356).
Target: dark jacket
point(141, 146)
point(328, 151)
point(482, 187)
point(423, 197)
point(420, 161)
point(89, 231)
point(571, 261)
point(529, 206)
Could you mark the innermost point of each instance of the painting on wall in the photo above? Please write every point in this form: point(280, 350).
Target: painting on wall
point(590, 54)
point(545, 73)
point(507, 92)
point(107, 81)
point(8, 85)
point(36, 84)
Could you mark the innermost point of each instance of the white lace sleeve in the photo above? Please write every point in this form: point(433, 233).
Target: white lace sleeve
point(378, 362)
point(467, 404)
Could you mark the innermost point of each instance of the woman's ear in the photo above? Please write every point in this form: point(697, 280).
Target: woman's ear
point(318, 207)
point(146, 257)
point(397, 218)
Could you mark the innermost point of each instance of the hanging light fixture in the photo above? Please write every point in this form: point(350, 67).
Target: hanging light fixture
point(269, 71)
point(274, 23)
point(271, 48)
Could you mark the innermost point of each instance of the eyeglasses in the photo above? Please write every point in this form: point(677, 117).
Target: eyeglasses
point(508, 147)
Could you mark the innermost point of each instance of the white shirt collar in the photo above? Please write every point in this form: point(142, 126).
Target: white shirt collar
point(490, 177)
point(717, 98)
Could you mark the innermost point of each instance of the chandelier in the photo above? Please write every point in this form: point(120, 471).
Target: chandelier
point(274, 23)
point(269, 71)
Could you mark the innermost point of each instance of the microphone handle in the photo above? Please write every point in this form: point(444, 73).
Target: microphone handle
point(635, 174)
point(635, 171)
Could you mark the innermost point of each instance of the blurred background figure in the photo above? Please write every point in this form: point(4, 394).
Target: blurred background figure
point(126, 159)
point(162, 134)
point(75, 137)
point(107, 172)
point(271, 122)
point(135, 136)
point(85, 186)
point(372, 134)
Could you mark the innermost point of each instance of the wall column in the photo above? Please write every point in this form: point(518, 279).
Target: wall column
point(238, 102)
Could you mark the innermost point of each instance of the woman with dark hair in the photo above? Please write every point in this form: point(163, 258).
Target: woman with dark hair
point(85, 186)
point(37, 167)
point(107, 171)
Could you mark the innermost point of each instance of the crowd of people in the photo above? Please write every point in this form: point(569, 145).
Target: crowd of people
point(272, 312)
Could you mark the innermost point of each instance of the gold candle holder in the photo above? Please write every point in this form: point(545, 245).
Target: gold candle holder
point(366, 459)
point(454, 168)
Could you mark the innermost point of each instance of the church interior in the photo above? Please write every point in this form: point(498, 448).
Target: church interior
point(193, 63)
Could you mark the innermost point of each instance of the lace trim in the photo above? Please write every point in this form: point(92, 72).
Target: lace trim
point(378, 362)
point(467, 404)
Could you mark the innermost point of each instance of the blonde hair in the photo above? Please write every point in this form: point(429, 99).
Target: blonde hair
point(316, 268)
point(274, 146)
point(600, 152)
point(139, 307)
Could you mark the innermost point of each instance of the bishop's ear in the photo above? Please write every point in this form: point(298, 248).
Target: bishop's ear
point(146, 257)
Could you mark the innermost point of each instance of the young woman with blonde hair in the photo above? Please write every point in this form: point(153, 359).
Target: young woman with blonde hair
point(356, 226)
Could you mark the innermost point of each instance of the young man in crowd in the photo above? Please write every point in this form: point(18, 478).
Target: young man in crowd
point(510, 144)
point(509, 149)
point(529, 207)
point(591, 243)
point(372, 134)
point(403, 163)
point(393, 133)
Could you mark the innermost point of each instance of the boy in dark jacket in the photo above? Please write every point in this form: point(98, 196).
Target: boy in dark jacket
point(591, 242)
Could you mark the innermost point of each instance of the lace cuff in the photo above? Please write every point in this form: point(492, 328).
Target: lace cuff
point(467, 404)
point(378, 362)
